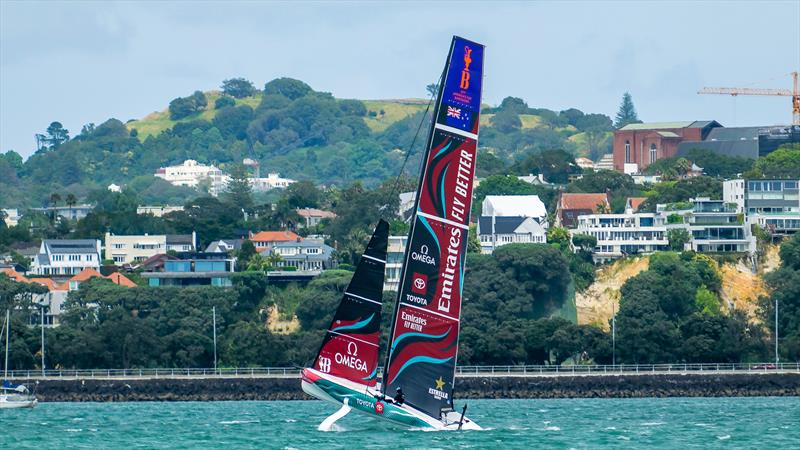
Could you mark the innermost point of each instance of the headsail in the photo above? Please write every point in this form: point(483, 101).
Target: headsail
point(350, 347)
point(424, 339)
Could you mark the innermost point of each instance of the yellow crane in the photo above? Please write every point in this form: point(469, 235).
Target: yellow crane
point(795, 94)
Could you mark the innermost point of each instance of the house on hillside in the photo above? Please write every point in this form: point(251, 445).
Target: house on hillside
point(195, 269)
point(66, 256)
point(509, 219)
point(496, 231)
point(131, 249)
point(265, 239)
point(570, 206)
point(632, 204)
point(224, 246)
point(306, 254)
point(313, 216)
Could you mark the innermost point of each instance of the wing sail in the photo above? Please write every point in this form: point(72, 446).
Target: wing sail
point(350, 347)
point(424, 340)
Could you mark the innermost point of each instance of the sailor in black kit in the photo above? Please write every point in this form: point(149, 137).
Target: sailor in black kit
point(399, 398)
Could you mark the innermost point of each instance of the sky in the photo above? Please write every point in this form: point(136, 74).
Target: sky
point(81, 62)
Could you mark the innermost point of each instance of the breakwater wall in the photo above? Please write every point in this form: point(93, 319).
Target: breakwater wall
point(274, 388)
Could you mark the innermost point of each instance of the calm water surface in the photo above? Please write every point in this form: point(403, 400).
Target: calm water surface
point(761, 422)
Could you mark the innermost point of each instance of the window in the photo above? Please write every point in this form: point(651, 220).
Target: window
point(313, 251)
point(790, 185)
point(653, 153)
point(119, 246)
point(119, 259)
point(627, 151)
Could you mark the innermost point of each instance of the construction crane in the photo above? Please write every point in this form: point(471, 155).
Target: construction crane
point(795, 94)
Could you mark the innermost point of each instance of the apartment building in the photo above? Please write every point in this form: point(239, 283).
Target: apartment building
point(394, 262)
point(624, 234)
point(131, 249)
point(773, 204)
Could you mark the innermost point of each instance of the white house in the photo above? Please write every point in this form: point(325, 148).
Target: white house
point(191, 173)
point(306, 254)
point(496, 231)
point(66, 256)
point(515, 206)
point(157, 211)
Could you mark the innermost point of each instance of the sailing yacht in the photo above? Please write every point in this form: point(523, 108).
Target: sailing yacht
point(12, 395)
point(423, 345)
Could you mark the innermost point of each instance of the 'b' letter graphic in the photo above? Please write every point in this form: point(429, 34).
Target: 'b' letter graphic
point(465, 72)
point(325, 364)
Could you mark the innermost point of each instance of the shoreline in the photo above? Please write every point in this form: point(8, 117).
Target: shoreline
point(493, 387)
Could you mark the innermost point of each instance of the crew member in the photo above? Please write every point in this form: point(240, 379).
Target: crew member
point(399, 398)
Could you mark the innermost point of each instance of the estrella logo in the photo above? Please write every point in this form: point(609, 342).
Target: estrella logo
point(465, 71)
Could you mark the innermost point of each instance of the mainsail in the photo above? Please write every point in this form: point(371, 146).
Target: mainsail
point(424, 341)
point(350, 347)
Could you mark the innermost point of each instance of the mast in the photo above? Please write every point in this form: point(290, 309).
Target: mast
point(425, 327)
point(42, 340)
point(5, 367)
point(413, 217)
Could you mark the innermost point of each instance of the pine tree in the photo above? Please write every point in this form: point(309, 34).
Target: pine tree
point(627, 112)
point(239, 192)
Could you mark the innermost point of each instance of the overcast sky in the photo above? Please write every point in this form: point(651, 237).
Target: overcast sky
point(81, 62)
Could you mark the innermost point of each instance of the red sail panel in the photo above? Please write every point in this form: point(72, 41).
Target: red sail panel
point(350, 347)
point(424, 339)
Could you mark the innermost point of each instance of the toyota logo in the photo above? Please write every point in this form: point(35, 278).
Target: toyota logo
point(419, 283)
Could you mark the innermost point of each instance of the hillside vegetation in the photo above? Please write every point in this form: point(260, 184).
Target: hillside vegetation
point(289, 128)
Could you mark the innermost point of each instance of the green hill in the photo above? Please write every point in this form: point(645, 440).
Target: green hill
point(289, 128)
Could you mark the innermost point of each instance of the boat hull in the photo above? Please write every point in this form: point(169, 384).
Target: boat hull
point(367, 401)
point(8, 402)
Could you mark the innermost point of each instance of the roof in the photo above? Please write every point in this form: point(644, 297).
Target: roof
point(71, 245)
point(173, 239)
point(502, 225)
point(274, 236)
point(583, 201)
point(635, 202)
point(746, 148)
point(668, 125)
point(513, 205)
point(20, 278)
point(85, 274)
point(668, 134)
point(229, 244)
point(116, 277)
point(733, 134)
point(506, 225)
point(120, 279)
point(314, 212)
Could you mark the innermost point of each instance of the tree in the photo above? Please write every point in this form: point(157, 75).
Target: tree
point(57, 134)
point(183, 107)
point(287, 87)
point(223, 101)
point(782, 163)
point(239, 192)
point(627, 112)
point(585, 242)
point(432, 89)
point(303, 194)
point(246, 251)
point(238, 87)
point(790, 253)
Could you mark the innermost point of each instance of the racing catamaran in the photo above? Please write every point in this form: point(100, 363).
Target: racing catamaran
point(423, 344)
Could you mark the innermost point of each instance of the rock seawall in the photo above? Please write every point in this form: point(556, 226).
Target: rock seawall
point(611, 386)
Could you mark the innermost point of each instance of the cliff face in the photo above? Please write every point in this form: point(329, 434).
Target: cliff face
point(596, 304)
point(740, 287)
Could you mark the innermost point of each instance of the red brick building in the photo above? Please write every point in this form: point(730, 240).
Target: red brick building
point(638, 145)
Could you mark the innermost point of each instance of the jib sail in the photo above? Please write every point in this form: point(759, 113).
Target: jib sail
point(350, 347)
point(424, 339)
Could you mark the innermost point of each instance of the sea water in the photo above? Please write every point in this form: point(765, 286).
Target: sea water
point(761, 422)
